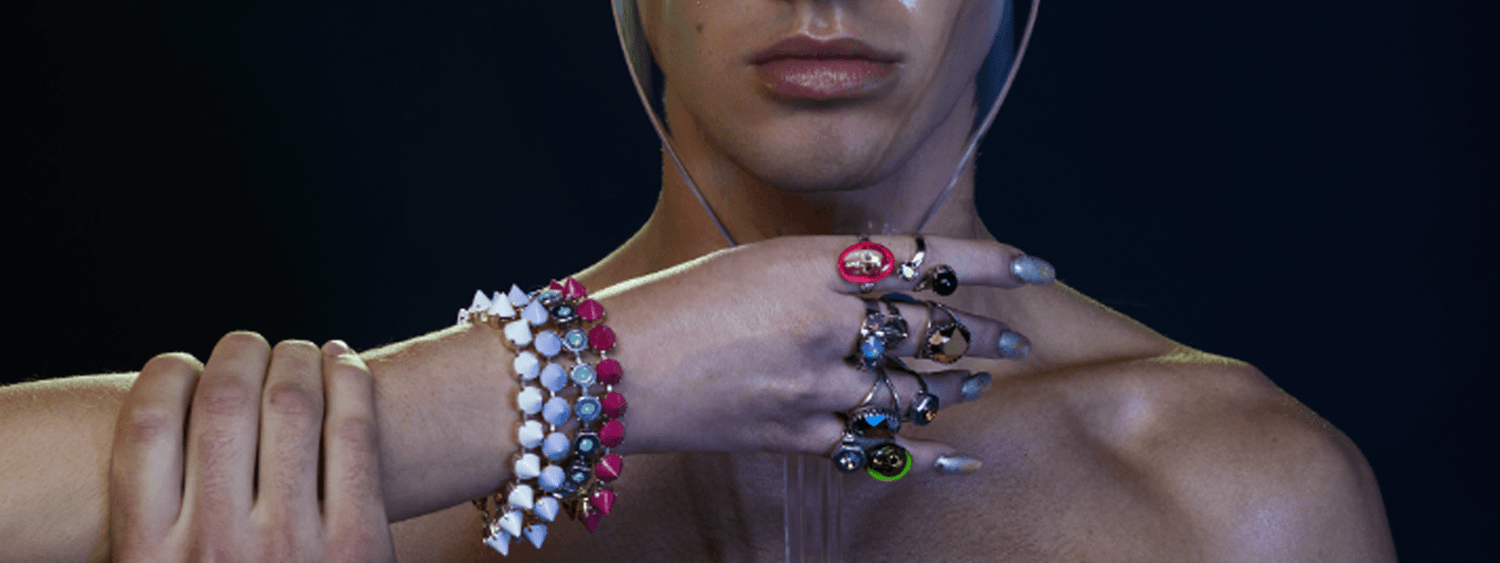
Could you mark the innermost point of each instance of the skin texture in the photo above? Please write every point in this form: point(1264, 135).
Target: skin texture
point(236, 503)
point(57, 435)
point(1109, 442)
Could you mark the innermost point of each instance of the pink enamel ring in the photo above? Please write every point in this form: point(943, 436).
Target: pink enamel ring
point(865, 263)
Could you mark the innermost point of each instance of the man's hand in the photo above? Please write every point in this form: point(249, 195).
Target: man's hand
point(221, 462)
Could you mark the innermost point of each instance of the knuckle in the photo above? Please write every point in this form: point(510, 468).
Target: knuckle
point(225, 396)
point(143, 425)
point(293, 399)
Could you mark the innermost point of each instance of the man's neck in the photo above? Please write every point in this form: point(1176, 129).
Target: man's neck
point(749, 209)
point(680, 229)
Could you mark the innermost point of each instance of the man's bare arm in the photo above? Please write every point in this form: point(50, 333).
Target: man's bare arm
point(438, 423)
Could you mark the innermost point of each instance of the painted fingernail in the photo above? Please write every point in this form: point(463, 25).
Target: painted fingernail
point(1031, 269)
point(975, 386)
point(1014, 346)
point(960, 464)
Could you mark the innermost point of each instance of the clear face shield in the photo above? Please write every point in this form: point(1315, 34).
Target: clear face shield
point(941, 46)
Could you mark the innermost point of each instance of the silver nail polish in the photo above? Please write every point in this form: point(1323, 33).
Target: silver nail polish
point(975, 386)
point(960, 464)
point(1014, 346)
point(1031, 269)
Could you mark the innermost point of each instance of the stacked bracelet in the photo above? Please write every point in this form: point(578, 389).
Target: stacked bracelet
point(550, 331)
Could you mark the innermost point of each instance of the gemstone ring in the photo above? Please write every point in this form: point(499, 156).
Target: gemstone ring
point(865, 263)
point(924, 407)
point(943, 341)
point(911, 268)
point(941, 279)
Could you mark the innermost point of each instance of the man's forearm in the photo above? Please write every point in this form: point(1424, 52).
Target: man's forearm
point(443, 422)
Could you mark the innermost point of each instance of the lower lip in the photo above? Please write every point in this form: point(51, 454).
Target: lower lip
point(823, 79)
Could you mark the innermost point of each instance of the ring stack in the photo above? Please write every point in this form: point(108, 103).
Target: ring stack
point(869, 440)
point(554, 332)
point(879, 332)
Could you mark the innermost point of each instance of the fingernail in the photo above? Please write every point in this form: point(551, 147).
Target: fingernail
point(339, 347)
point(1014, 346)
point(1031, 269)
point(975, 386)
point(960, 464)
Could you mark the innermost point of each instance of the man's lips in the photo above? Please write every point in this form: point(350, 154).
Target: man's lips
point(805, 47)
point(806, 68)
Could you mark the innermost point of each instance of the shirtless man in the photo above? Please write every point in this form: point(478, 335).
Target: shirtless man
point(1107, 442)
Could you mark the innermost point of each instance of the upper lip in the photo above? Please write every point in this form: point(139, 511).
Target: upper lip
point(806, 47)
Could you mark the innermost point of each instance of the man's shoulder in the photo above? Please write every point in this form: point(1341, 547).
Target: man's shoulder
point(1258, 474)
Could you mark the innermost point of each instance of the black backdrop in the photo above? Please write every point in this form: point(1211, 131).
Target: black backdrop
point(1307, 188)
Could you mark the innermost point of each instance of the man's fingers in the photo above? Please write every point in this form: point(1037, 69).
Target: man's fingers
point(222, 433)
point(146, 468)
point(354, 503)
point(291, 426)
point(972, 262)
point(932, 334)
point(933, 456)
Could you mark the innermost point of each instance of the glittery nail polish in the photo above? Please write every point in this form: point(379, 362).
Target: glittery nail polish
point(1014, 346)
point(1031, 269)
point(974, 386)
point(960, 464)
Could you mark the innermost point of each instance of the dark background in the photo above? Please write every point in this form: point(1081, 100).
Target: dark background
point(1306, 187)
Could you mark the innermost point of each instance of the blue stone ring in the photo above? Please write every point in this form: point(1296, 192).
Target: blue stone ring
point(873, 339)
point(878, 334)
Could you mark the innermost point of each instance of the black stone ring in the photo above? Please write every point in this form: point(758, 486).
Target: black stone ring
point(941, 279)
point(924, 407)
